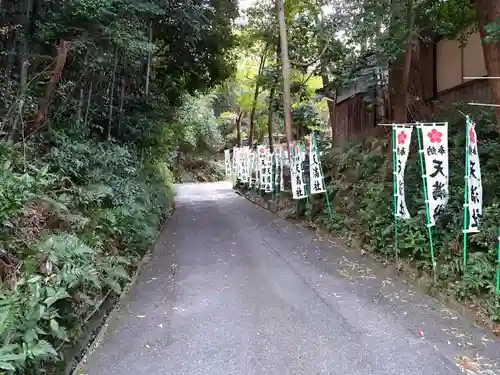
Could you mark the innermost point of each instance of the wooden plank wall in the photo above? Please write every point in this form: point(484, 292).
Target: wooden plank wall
point(354, 118)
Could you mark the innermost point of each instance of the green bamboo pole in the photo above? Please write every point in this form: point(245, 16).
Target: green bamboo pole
point(274, 168)
point(466, 192)
point(249, 168)
point(327, 198)
point(277, 176)
point(294, 155)
point(498, 265)
point(427, 213)
point(303, 175)
point(394, 194)
point(306, 190)
point(256, 166)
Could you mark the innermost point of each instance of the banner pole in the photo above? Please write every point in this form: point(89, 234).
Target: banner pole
point(427, 213)
point(295, 152)
point(277, 176)
point(306, 190)
point(249, 170)
point(394, 194)
point(259, 178)
point(466, 192)
point(327, 198)
point(498, 264)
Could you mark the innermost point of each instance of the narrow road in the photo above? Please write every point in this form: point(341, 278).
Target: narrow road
point(232, 289)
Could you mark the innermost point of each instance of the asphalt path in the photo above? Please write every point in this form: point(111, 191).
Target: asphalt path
point(232, 289)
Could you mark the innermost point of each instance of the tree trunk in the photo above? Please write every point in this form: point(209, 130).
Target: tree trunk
point(488, 11)
point(270, 113)
point(262, 64)
point(332, 106)
point(23, 86)
point(286, 75)
point(111, 96)
point(80, 106)
point(43, 107)
point(122, 96)
point(88, 106)
point(238, 129)
point(82, 94)
point(400, 74)
point(148, 69)
point(122, 100)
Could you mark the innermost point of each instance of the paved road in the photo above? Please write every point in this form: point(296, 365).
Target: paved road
point(232, 289)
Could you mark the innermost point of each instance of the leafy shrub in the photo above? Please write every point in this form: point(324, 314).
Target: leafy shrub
point(362, 182)
point(75, 220)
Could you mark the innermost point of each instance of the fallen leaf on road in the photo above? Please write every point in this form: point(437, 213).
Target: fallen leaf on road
point(466, 363)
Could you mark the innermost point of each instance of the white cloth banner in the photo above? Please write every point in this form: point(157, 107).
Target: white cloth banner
point(277, 168)
point(235, 162)
point(245, 166)
point(227, 160)
point(401, 150)
point(262, 155)
point(269, 186)
point(435, 149)
point(317, 183)
point(473, 178)
point(254, 167)
point(297, 175)
point(282, 164)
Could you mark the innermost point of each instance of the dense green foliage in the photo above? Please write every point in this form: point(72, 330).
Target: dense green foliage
point(100, 102)
point(75, 221)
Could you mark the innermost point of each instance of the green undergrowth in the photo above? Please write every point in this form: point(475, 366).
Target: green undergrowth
point(359, 178)
point(360, 184)
point(199, 170)
point(76, 216)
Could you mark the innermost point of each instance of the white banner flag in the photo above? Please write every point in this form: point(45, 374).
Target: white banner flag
point(227, 161)
point(435, 149)
point(269, 187)
point(473, 178)
point(253, 168)
point(235, 162)
point(282, 164)
point(401, 150)
point(262, 155)
point(317, 184)
point(277, 168)
point(297, 175)
point(245, 165)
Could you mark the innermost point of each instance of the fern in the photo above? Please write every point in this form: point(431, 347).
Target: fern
point(101, 208)
point(40, 351)
point(10, 356)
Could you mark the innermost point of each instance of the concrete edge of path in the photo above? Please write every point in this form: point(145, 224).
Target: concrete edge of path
point(472, 316)
point(94, 344)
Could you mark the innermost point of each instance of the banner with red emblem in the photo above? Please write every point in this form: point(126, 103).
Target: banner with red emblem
point(435, 150)
point(401, 151)
point(474, 188)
